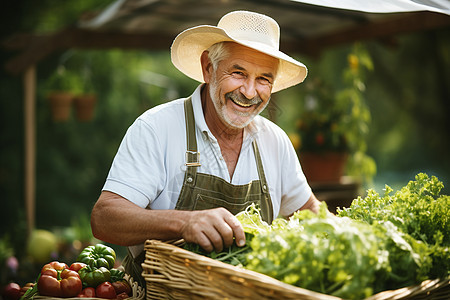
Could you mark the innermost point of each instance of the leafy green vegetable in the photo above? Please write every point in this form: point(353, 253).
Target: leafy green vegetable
point(409, 262)
point(337, 255)
point(323, 253)
point(418, 210)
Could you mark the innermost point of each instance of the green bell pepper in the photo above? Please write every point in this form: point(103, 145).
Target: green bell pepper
point(116, 275)
point(92, 277)
point(98, 256)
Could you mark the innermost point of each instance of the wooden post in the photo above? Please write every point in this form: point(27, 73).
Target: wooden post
point(30, 145)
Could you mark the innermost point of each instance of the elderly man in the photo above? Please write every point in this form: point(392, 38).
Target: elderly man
point(186, 167)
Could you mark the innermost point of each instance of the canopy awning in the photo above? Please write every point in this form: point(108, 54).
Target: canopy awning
point(307, 26)
point(385, 6)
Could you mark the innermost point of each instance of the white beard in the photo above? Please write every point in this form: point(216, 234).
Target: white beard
point(236, 122)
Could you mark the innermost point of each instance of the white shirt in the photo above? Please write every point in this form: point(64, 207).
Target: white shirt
point(149, 166)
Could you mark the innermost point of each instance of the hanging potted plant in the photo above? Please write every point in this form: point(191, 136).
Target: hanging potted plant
point(85, 102)
point(63, 86)
point(85, 106)
point(332, 127)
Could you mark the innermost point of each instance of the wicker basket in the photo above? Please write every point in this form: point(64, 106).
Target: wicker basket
point(138, 292)
point(171, 272)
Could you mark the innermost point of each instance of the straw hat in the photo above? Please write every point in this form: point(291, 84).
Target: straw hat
point(250, 29)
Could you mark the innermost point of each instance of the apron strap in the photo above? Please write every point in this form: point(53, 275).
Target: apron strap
point(266, 203)
point(192, 156)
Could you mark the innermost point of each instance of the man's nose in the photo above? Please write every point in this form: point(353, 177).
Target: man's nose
point(248, 89)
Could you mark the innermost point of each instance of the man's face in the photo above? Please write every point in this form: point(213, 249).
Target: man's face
point(241, 86)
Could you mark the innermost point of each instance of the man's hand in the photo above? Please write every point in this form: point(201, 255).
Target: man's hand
point(213, 229)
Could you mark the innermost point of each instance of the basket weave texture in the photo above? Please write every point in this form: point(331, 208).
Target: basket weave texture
point(171, 272)
point(138, 292)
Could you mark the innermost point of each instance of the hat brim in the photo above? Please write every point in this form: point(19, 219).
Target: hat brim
point(189, 45)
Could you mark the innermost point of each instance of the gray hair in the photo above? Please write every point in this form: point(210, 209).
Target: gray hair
point(217, 53)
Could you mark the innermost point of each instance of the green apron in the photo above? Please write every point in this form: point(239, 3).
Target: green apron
point(203, 191)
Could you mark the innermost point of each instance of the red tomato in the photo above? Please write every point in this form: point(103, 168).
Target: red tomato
point(58, 281)
point(106, 290)
point(77, 266)
point(88, 292)
point(11, 291)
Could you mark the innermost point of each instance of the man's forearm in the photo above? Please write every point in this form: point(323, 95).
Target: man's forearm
point(118, 221)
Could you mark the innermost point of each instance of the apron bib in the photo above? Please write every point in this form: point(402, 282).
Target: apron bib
point(204, 191)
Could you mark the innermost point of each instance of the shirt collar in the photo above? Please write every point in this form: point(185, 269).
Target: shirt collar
point(249, 132)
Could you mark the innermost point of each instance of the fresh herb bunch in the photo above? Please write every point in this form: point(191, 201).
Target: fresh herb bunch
point(418, 209)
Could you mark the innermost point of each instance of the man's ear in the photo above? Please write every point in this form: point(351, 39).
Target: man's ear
point(207, 68)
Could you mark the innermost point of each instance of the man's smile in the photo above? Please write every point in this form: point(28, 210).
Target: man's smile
point(242, 101)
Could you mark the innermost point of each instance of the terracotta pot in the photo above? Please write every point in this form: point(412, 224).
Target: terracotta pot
point(85, 107)
point(323, 167)
point(60, 105)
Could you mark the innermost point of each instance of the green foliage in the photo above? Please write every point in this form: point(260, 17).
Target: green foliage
point(78, 231)
point(418, 209)
point(53, 15)
point(63, 80)
point(338, 256)
point(312, 252)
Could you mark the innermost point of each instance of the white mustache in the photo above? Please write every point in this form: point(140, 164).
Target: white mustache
point(241, 100)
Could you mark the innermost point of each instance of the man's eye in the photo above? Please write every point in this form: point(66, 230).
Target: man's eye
point(238, 73)
point(264, 80)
